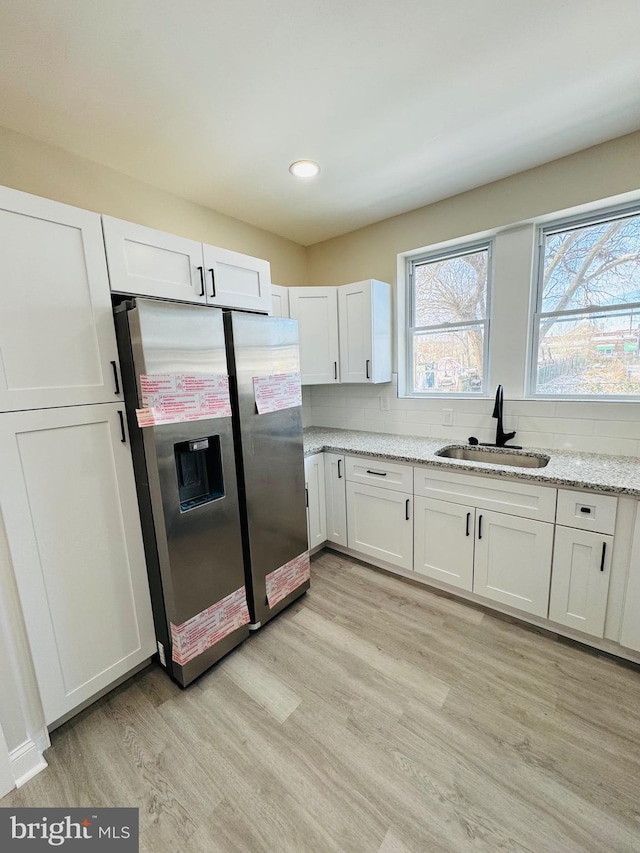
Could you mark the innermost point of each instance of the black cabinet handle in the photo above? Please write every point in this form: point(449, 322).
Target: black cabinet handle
point(406, 509)
point(468, 522)
point(335, 369)
point(306, 496)
point(123, 437)
point(480, 527)
point(377, 473)
point(115, 377)
point(339, 472)
point(213, 282)
point(585, 509)
point(201, 271)
point(604, 552)
point(367, 369)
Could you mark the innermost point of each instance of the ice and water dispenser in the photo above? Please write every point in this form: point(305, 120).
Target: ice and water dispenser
point(199, 470)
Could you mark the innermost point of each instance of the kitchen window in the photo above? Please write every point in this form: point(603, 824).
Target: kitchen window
point(587, 321)
point(448, 330)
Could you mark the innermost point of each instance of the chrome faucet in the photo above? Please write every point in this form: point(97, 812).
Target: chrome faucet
point(502, 437)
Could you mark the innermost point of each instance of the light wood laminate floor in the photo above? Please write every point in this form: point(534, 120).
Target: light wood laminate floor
point(371, 716)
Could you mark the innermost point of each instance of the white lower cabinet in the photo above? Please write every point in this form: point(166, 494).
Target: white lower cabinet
point(580, 580)
point(380, 523)
point(316, 500)
point(513, 561)
point(336, 493)
point(444, 540)
point(68, 500)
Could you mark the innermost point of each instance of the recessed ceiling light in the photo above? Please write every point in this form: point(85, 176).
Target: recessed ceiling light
point(304, 169)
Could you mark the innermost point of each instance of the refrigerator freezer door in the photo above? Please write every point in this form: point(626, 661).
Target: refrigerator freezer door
point(269, 453)
point(186, 477)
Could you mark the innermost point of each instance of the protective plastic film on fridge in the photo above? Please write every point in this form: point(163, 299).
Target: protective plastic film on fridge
point(214, 413)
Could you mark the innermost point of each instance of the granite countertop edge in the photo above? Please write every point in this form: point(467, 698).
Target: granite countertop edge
point(618, 475)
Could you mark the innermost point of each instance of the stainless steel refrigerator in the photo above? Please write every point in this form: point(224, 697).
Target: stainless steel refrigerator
point(221, 491)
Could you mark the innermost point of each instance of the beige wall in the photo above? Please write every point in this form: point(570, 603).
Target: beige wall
point(599, 172)
point(41, 169)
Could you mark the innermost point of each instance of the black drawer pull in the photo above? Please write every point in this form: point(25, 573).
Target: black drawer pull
point(406, 509)
point(339, 471)
point(468, 522)
point(377, 473)
point(586, 510)
point(604, 551)
point(480, 527)
point(115, 377)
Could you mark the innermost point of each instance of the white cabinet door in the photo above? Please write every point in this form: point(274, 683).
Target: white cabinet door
point(316, 310)
point(234, 280)
point(364, 320)
point(444, 539)
point(147, 262)
point(580, 580)
point(335, 486)
point(279, 301)
point(316, 500)
point(68, 498)
point(57, 340)
point(380, 524)
point(513, 561)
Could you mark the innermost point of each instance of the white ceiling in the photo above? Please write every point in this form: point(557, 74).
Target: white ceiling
point(402, 102)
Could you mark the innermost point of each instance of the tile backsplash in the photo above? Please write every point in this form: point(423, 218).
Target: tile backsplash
point(606, 427)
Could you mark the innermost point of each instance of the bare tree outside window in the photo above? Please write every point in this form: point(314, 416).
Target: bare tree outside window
point(448, 331)
point(588, 319)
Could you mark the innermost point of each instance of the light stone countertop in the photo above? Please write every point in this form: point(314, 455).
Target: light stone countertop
point(612, 474)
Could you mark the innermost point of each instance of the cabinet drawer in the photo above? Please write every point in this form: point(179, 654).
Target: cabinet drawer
point(378, 472)
point(512, 498)
point(586, 511)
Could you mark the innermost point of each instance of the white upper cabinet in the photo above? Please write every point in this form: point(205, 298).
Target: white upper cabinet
point(146, 262)
point(316, 310)
point(57, 341)
point(345, 332)
point(364, 320)
point(68, 499)
point(279, 301)
point(233, 280)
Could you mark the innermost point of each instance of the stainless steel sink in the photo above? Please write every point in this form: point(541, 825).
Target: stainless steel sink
point(496, 456)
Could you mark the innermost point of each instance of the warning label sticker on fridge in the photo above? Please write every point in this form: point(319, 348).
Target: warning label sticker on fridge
point(199, 633)
point(172, 398)
point(284, 580)
point(277, 391)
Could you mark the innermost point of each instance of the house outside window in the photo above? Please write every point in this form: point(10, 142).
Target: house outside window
point(448, 332)
point(587, 321)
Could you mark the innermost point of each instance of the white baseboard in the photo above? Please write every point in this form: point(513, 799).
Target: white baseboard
point(26, 762)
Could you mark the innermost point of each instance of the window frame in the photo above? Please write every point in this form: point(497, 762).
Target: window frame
point(609, 214)
point(450, 252)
